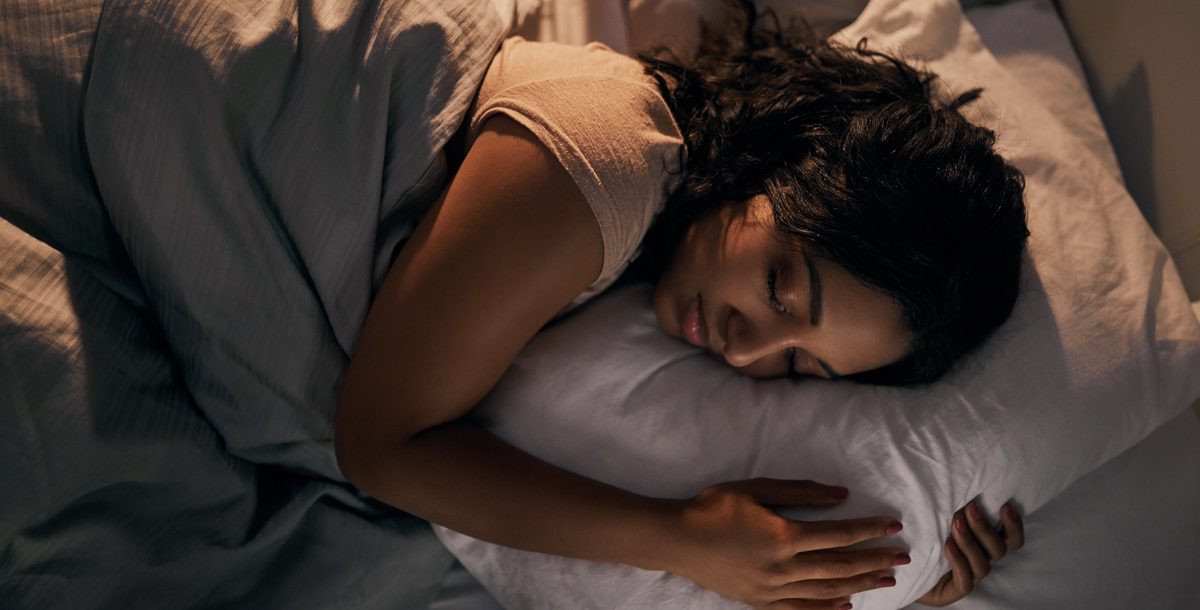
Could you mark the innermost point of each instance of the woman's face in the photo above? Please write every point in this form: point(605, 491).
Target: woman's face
point(735, 289)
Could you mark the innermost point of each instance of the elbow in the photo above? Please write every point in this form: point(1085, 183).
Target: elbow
point(355, 448)
point(349, 458)
point(372, 439)
point(370, 448)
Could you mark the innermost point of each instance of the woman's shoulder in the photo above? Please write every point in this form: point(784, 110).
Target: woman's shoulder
point(574, 81)
point(605, 121)
point(522, 61)
point(595, 109)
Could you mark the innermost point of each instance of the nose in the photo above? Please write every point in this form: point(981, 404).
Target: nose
point(749, 340)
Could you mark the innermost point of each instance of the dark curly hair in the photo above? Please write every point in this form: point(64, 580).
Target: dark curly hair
point(863, 165)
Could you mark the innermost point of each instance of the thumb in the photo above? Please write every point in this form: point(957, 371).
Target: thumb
point(784, 492)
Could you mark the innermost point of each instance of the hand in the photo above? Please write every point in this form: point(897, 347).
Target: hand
point(973, 548)
point(729, 540)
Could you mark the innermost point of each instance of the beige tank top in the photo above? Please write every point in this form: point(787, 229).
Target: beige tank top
point(605, 121)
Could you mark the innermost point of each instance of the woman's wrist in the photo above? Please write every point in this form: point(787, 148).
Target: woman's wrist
point(655, 541)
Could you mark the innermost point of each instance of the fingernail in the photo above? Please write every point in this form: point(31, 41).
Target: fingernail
point(1010, 512)
point(846, 606)
point(958, 524)
point(954, 549)
point(886, 581)
point(838, 492)
point(894, 528)
point(901, 560)
point(973, 510)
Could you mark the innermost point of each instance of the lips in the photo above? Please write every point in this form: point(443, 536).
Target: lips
point(692, 324)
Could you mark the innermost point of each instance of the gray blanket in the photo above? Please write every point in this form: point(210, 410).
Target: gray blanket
point(199, 198)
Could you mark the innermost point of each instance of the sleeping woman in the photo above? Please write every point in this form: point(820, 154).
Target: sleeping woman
point(805, 209)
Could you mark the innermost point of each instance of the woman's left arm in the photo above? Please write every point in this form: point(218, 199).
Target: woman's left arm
point(974, 546)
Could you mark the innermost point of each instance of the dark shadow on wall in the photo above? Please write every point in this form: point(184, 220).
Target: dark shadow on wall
point(1127, 117)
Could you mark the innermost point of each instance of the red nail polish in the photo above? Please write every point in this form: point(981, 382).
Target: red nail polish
point(838, 492)
point(846, 606)
point(886, 581)
point(973, 510)
point(958, 524)
point(894, 528)
point(901, 560)
point(1010, 512)
point(954, 550)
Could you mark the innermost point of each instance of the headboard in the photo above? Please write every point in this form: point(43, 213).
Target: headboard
point(1141, 59)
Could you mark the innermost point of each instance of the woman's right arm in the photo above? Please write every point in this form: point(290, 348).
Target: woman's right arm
point(509, 244)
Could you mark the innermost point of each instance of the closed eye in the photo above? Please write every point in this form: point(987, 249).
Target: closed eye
point(792, 373)
point(772, 295)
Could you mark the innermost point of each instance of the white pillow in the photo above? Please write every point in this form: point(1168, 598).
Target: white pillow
point(1101, 349)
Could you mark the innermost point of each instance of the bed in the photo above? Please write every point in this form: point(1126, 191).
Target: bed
point(1068, 563)
point(131, 476)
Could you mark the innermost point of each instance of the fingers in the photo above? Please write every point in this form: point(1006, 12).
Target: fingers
point(1014, 528)
point(973, 547)
point(965, 541)
point(943, 593)
point(987, 535)
point(962, 580)
point(838, 588)
point(779, 492)
point(818, 535)
point(955, 584)
point(847, 564)
point(842, 603)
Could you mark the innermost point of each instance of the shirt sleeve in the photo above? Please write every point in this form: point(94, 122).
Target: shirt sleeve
point(617, 140)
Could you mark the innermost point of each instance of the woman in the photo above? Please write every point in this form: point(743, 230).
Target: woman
point(829, 218)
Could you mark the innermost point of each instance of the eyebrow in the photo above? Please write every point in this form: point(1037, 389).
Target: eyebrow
point(814, 308)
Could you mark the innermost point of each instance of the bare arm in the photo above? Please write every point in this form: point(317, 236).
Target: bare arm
point(509, 245)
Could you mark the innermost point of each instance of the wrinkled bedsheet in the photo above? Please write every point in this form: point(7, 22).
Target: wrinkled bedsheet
point(198, 198)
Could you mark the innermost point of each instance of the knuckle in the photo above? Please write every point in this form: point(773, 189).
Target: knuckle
point(885, 561)
point(828, 590)
point(802, 530)
point(843, 567)
point(779, 541)
point(780, 533)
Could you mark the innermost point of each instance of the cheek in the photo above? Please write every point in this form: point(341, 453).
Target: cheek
point(765, 368)
point(873, 350)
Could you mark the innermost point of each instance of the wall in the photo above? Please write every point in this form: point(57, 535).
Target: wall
point(1142, 60)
